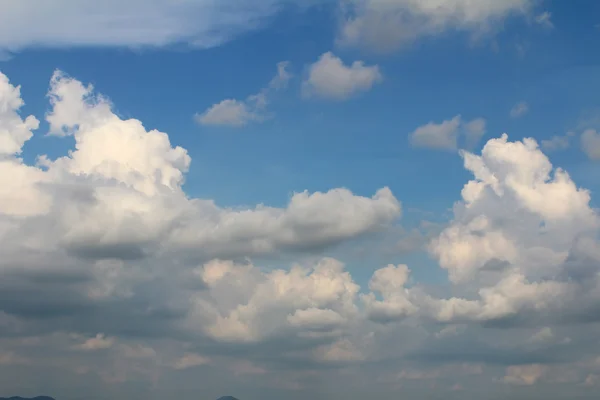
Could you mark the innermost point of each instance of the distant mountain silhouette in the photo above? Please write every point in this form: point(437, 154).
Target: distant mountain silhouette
point(27, 398)
point(220, 398)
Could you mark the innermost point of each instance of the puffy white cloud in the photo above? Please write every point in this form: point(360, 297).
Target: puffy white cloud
point(519, 226)
point(118, 194)
point(330, 78)
point(519, 109)
point(137, 23)
point(590, 144)
point(445, 135)
point(104, 239)
point(390, 283)
point(14, 131)
point(319, 297)
point(237, 113)
point(386, 25)
point(106, 223)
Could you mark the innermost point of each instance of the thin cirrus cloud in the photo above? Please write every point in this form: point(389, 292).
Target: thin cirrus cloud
point(446, 134)
point(134, 23)
point(330, 78)
point(238, 113)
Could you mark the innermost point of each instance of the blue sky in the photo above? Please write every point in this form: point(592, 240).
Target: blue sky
point(421, 76)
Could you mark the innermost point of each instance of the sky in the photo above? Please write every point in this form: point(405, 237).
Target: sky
point(340, 199)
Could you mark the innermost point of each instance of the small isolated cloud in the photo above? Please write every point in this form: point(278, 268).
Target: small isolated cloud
point(544, 19)
point(590, 144)
point(542, 335)
point(519, 109)
point(190, 360)
point(556, 143)
point(526, 375)
point(238, 113)
point(445, 135)
point(99, 342)
point(330, 78)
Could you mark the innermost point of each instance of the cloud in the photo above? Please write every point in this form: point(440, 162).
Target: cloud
point(519, 109)
point(236, 113)
point(385, 26)
point(520, 212)
point(330, 78)
point(524, 374)
point(99, 342)
point(104, 239)
point(190, 361)
point(543, 335)
point(544, 19)
point(556, 143)
point(445, 135)
point(136, 24)
point(590, 144)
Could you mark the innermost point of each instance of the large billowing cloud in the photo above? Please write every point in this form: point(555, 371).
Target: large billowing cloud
point(111, 272)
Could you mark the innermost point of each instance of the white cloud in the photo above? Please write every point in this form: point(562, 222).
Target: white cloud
point(319, 297)
point(104, 239)
point(590, 144)
point(445, 135)
point(519, 109)
point(386, 25)
point(330, 78)
point(556, 143)
point(14, 132)
point(237, 113)
point(135, 23)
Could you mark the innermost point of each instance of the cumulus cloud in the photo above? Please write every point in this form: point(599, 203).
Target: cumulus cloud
point(104, 239)
point(93, 218)
point(534, 223)
point(445, 135)
point(138, 23)
point(238, 113)
point(330, 78)
point(386, 25)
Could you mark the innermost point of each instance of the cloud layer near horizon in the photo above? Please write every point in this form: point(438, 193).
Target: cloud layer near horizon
point(104, 255)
